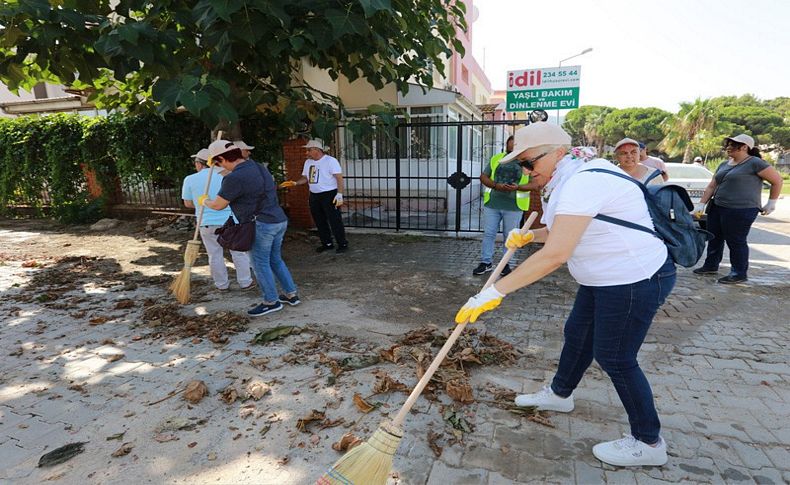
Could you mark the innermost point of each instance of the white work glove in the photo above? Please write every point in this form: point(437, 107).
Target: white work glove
point(517, 240)
point(699, 210)
point(769, 207)
point(338, 200)
point(484, 301)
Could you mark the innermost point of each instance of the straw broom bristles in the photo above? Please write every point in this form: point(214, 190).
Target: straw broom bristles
point(369, 463)
point(181, 285)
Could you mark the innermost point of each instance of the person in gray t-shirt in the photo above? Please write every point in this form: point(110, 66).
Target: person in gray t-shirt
point(734, 195)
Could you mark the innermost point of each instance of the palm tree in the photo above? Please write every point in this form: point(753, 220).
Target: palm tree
point(682, 129)
point(592, 129)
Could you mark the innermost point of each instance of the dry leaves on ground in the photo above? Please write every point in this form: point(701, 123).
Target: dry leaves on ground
point(229, 395)
point(195, 391)
point(348, 441)
point(459, 390)
point(124, 450)
point(385, 383)
point(166, 321)
point(363, 405)
point(256, 389)
point(303, 422)
point(61, 454)
point(433, 439)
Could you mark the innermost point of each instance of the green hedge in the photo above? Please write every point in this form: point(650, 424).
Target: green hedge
point(46, 154)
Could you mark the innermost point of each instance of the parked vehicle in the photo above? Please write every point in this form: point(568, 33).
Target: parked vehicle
point(693, 178)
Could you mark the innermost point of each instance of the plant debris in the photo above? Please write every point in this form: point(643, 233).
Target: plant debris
point(276, 333)
point(303, 422)
point(124, 450)
point(229, 395)
point(433, 439)
point(256, 389)
point(62, 454)
point(195, 391)
point(359, 362)
point(348, 441)
point(363, 405)
point(385, 383)
point(456, 420)
point(166, 321)
point(117, 436)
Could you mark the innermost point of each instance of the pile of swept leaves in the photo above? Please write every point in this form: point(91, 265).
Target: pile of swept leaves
point(472, 348)
point(166, 321)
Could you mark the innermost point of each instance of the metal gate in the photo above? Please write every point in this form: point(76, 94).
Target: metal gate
point(422, 175)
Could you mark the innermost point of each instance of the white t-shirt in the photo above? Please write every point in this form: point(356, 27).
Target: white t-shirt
point(321, 173)
point(654, 162)
point(607, 254)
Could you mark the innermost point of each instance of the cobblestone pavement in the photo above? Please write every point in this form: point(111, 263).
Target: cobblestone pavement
point(716, 356)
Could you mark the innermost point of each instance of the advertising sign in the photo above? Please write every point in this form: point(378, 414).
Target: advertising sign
point(543, 88)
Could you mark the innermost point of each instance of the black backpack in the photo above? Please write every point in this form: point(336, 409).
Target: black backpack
point(670, 208)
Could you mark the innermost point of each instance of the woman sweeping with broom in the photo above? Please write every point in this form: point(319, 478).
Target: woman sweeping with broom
point(624, 276)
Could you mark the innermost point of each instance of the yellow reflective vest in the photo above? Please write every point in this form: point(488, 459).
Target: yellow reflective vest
point(522, 196)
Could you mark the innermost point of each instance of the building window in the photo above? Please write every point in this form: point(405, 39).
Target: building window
point(465, 75)
point(40, 91)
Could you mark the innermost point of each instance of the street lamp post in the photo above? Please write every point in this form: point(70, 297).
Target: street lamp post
point(585, 51)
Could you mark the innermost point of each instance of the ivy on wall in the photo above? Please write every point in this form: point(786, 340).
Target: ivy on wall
point(43, 160)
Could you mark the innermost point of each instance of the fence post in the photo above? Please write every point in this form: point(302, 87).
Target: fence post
point(397, 176)
point(458, 168)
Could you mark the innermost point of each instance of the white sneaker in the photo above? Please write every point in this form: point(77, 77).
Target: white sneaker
point(629, 451)
point(546, 400)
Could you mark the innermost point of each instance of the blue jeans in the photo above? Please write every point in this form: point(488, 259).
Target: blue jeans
point(267, 260)
point(491, 219)
point(609, 324)
point(731, 226)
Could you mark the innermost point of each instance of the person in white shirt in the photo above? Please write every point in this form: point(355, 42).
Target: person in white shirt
point(652, 162)
point(626, 151)
point(624, 276)
point(192, 189)
point(323, 174)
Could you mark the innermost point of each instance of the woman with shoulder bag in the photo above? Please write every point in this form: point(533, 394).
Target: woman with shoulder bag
point(250, 190)
point(734, 195)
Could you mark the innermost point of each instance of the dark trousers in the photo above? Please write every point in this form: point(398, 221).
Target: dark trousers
point(731, 226)
point(609, 324)
point(327, 218)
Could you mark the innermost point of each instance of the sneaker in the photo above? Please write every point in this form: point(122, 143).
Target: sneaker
point(705, 271)
point(629, 451)
point(483, 268)
point(731, 279)
point(293, 301)
point(322, 248)
point(546, 400)
point(505, 271)
point(341, 249)
point(263, 309)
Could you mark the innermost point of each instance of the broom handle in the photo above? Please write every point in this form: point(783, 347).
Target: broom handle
point(205, 192)
point(415, 393)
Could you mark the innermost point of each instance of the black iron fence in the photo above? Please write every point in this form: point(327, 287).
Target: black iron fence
point(421, 175)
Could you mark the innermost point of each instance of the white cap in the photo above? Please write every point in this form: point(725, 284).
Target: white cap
point(626, 141)
point(697, 159)
point(242, 145)
point(219, 147)
point(536, 134)
point(202, 154)
point(743, 138)
point(315, 143)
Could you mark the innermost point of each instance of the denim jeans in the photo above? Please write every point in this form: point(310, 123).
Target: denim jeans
point(731, 226)
point(267, 260)
point(491, 220)
point(609, 324)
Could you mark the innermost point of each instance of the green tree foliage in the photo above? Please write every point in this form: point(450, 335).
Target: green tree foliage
point(222, 60)
point(682, 129)
point(585, 123)
point(642, 124)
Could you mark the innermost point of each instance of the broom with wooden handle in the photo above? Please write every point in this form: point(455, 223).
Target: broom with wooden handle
point(181, 286)
point(370, 463)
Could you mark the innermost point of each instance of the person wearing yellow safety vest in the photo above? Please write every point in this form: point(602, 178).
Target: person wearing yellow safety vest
point(505, 198)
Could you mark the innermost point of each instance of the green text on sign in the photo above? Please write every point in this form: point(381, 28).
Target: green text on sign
point(529, 99)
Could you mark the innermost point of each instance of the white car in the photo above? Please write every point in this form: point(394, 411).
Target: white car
point(693, 178)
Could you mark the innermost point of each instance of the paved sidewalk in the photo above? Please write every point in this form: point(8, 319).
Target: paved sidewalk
point(717, 358)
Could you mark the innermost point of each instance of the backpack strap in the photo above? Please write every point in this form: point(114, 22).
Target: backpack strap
point(652, 176)
point(622, 222)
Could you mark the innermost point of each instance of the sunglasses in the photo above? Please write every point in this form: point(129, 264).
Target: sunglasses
point(529, 163)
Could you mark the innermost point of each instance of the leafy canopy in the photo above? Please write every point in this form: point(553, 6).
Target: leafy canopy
point(222, 59)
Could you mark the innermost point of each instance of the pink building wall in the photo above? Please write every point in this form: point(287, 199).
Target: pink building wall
point(468, 62)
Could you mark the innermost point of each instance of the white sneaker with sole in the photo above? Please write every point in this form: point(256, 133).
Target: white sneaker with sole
point(629, 451)
point(546, 400)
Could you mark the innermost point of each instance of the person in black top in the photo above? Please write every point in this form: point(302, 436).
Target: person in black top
point(250, 190)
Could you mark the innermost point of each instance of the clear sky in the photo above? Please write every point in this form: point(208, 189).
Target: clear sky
point(645, 52)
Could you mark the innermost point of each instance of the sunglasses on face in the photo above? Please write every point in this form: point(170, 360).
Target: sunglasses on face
point(529, 163)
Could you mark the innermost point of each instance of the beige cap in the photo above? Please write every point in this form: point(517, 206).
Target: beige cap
point(202, 154)
point(315, 143)
point(743, 138)
point(626, 141)
point(242, 145)
point(219, 147)
point(536, 134)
